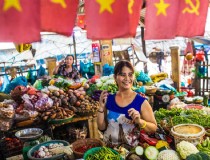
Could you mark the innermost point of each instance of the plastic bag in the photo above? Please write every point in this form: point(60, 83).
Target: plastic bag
point(38, 85)
point(4, 83)
point(43, 104)
point(5, 124)
point(19, 81)
point(6, 110)
point(31, 77)
point(27, 103)
point(108, 70)
point(41, 72)
point(143, 77)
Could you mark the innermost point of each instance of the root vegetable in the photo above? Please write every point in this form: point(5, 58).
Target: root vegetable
point(53, 116)
point(77, 94)
point(78, 103)
point(45, 118)
point(47, 113)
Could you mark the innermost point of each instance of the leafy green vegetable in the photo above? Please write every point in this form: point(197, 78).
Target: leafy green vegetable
point(177, 116)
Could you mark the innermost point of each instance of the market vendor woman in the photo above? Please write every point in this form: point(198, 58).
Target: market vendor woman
point(66, 69)
point(122, 115)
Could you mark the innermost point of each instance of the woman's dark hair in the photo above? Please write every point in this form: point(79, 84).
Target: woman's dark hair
point(123, 63)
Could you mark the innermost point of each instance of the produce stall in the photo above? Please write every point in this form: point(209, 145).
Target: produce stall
point(64, 114)
point(56, 106)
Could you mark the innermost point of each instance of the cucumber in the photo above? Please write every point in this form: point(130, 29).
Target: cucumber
point(151, 153)
point(139, 150)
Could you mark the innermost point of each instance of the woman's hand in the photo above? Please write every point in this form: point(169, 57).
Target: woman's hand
point(135, 115)
point(62, 62)
point(102, 99)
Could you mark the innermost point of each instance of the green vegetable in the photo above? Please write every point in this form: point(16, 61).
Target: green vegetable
point(139, 150)
point(151, 153)
point(105, 154)
point(194, 157)
point(204, 155)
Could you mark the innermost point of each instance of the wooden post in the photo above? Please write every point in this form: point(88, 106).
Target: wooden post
point(175, 67)
point(144, 48)
point(106, 52)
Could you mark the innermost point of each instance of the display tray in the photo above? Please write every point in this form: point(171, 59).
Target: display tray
point(60, 121)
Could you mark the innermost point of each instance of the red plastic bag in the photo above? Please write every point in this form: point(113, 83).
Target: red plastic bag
point(200, 56)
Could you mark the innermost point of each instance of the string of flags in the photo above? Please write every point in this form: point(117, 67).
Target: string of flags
point(23, 20)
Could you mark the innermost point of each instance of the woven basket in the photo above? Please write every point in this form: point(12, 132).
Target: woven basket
point(85, 142)
point(193, 138)
point(150, 89)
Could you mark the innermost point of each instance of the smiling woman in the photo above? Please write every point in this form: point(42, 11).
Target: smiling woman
point(122, 114)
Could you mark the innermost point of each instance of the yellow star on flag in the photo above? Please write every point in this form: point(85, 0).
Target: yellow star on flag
point(105, 5)
point(162, 6)
point(61, 2)
point(12, 4)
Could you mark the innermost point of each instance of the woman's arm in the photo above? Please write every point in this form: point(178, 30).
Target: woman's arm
point(147, 120)
point(57, 67)
point(101, 116)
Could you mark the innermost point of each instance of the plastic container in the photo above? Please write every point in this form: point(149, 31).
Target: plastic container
point(192, 133)
point(35, 148)
point(85, 142)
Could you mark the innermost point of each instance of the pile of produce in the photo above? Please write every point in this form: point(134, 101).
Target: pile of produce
point(12, 144)
point(67, 103)
point(103, 153)
point(175, 116)
point(107, 83)
point(204, 146)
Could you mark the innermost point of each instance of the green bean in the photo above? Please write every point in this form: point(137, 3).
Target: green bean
point(105, 154)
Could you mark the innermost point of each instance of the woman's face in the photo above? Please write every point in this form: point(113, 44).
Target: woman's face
point(69, 60)
point(125, 79)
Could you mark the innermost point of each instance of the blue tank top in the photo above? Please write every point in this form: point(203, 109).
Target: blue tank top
point(120, 128)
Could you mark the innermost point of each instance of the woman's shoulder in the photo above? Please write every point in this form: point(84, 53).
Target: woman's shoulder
point(139, 98)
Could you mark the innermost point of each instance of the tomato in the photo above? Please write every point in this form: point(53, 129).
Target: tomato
point(190, 93)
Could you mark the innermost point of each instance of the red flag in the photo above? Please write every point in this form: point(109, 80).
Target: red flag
point(160, 20)
point(59, 15)
point(108, 19)
point(19, 21)
point(192, 18)
point(81, 21)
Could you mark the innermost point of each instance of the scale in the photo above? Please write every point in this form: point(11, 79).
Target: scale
point(29, 137)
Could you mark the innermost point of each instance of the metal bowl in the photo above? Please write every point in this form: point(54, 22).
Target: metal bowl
point(29, 134)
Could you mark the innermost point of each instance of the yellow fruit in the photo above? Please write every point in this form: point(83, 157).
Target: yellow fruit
point(189, 56)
